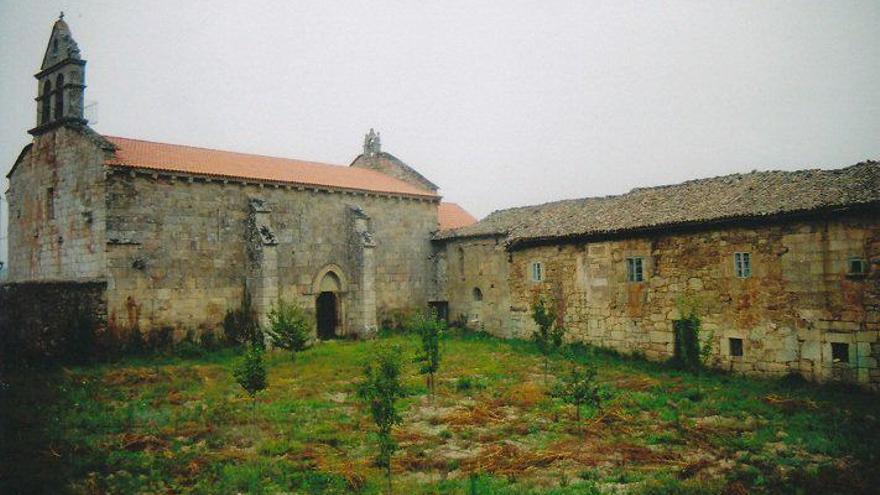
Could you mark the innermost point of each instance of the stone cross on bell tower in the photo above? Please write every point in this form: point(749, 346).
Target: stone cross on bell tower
point(372, 143)
point(60, 81)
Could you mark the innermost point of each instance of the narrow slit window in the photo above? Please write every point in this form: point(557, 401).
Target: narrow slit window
point(635, 269)
point(461, 262)
point(742, 263)
point(537, 271)
point(840, 352)
point(50, 203)
point(736, 347)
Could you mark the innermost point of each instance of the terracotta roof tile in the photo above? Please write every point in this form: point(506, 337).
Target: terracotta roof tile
point(201, 161)
point(453, 216)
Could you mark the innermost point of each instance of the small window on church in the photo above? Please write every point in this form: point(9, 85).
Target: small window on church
point(478, 294)
point(59, 97)
point(50, 203)
point(55, 45)
point(47, 102)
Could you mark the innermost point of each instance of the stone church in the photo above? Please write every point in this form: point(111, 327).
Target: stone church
point(172, 236)
point(782, 268)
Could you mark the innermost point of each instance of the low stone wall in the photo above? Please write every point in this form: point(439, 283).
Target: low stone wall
point(36, 317)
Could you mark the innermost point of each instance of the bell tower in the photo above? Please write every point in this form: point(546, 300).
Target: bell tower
point(60, 82)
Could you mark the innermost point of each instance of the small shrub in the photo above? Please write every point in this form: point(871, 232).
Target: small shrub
point(160, 339)
point(241, 326)
point(289, 326)
point(250, 373)
point(397, 320)
point(189, 349)
point(578, 388)
point(467, 383)
point(208, 340)
point(687, 352)
point(135, 345)
point(380, 390)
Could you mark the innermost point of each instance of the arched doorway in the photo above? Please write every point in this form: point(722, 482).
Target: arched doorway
point(327, 306)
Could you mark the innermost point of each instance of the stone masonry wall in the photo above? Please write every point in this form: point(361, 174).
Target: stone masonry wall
point(177, 252)
point(479, 264)
point(797, 302)
point(60, 238)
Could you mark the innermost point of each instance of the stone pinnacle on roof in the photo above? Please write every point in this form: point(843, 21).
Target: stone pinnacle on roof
point(372, 143)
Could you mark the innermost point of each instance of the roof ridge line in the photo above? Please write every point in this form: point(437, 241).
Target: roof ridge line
point(222, 151)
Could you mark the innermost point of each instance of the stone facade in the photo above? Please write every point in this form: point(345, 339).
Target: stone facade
point(56, 208)
point(180, 252)
point(178, 248)
point(798, 300)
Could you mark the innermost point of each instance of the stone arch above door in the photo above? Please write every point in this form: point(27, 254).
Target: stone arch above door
point(329, 279)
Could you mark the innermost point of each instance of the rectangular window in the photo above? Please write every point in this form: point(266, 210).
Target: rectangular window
point(840, 352)
point(736, 347)
point(537, 271)
point(856, 266)
point(742, 263)
point(50, 203)
point(634, 269)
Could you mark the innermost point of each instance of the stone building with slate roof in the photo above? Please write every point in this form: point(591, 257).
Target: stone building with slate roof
point(783, 268)
point(165, 236)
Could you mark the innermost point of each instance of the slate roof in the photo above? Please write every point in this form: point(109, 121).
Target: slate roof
point(453, 216)
point(164, 157)
point(695, 202)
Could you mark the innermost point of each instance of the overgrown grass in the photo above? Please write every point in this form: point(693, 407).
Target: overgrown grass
point(173, 424)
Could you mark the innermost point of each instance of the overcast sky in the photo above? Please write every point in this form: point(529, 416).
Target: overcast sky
point(500, 103)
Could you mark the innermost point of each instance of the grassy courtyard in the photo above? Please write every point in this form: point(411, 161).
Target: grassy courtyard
point(180, 425)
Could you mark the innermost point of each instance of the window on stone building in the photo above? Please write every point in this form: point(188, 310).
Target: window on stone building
point(635, 269)
point(50, 203)
point(59, 97)
point(461, 262)
point(742, 264)
point(840, 352)
point(537, 271)
point(478, 294)
point(47, 102)
point(856, 266)
point(736, 347)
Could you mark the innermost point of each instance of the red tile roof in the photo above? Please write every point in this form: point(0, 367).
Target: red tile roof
point(164, 157)
point(452, 216)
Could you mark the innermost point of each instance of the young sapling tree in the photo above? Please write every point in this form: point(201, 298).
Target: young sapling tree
point(379, 390)
point(250, 373)
point(548, 336)
point(430, 330)
point(578, 387)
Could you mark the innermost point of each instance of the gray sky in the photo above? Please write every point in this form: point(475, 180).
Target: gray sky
point(501, 103)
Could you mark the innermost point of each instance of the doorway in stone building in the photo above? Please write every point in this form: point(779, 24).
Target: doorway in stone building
point(327, 315)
